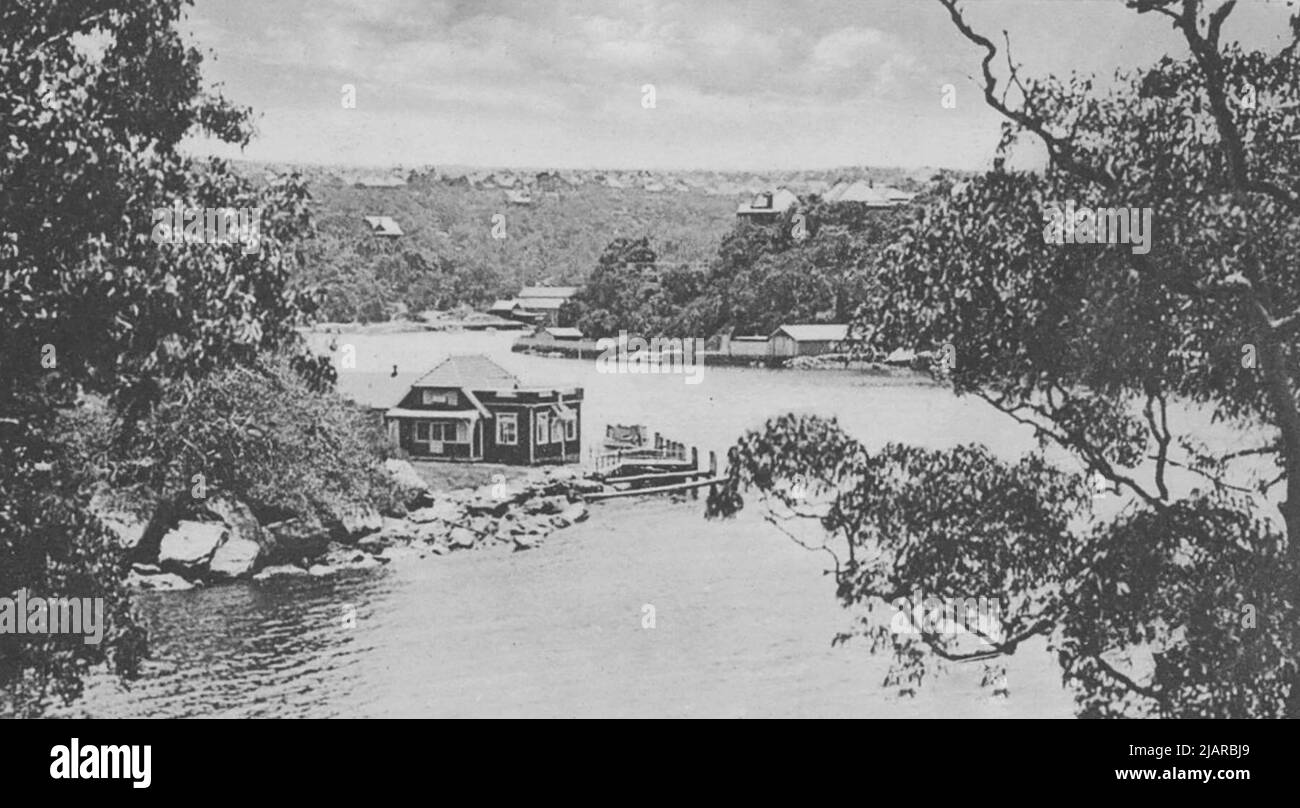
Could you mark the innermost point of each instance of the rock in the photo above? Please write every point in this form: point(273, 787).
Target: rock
point(461, 537)
point(577, 512)
point(162, 582)
point(125, 527)
point(188, 548)
point(320, 570)
point(362, 521)
point(402, 553)
point(238, 518)
point(552, 504)
point(376, 543)
point(432, 532)
point(406, 477)
point(279, 570)
point(582, 486)
point(295, 539)
point(234, 559)
point(526, 542)
point(398, 530)
point(445, 510)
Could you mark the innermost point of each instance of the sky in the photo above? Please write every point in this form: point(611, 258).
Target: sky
point(738, 84)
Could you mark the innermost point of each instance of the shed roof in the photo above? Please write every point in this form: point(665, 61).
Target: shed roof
point(548, 291)
point(814, 332)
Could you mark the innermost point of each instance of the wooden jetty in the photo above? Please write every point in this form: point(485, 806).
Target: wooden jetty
point(666, 467)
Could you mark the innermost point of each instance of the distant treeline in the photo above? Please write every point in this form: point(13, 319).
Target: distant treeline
point(814, 264)
point(453, 251)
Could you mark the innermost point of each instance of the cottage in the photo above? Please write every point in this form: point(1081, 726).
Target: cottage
point(383, 226)
point(766, 206)
point(808, 340)
point(867, 193)
point(557, 335)
point(470, 408)
point(544, 302)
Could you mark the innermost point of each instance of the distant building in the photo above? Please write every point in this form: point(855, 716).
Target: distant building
point(383, 226)
point(544, 302)
point(868, 193)
point(767, 206)
point(808, 340)
point(557, 334)
point(470, 408)
point(755, 346)
point(519, 197)
point(380, 181)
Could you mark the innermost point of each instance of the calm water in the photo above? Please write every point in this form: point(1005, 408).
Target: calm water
point(743, 617)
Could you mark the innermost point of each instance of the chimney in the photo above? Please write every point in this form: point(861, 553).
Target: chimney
point(394, 374)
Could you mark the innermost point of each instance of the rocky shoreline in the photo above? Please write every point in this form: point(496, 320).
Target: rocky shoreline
point(229, 544)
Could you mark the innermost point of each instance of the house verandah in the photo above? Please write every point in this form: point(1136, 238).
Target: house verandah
point(468, 408)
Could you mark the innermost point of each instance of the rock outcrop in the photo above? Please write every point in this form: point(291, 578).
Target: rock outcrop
point(234, 545)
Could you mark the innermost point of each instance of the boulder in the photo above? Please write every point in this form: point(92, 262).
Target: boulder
point(376, 543)
point(461, 537)
point(526, 542)
point(295, 539)
point(577, 512)
point(162, 582)
point(402, 553)
point(360, 521)
point(548, 505)
point(582, 486)
point(238, 518)
point(236, 558)
point(444, 510)
point(279, 570)
point(405, 475)
point(128, 529)
point(188, 547)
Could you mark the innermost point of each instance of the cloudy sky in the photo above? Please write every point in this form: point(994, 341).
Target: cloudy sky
point(738, 84)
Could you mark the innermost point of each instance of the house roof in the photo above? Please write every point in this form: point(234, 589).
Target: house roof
point(383, 226)
point(782, 200)
point(814, 332)
point(548, 291)
point(864, 191)
point(374, 390)
point(504, 305)
point(471, 372)
point(564, 332)
point(543, 303)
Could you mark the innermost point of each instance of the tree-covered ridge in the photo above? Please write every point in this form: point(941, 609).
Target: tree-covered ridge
point(816, 263)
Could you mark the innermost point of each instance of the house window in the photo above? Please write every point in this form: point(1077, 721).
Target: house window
point(571, 428)
point(429, 397)
point(442, 431)
point(507, 429)
point(543, 427)
point(557, 429)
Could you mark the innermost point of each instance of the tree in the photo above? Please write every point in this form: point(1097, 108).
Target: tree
point(1139, 365)
point(94, 99)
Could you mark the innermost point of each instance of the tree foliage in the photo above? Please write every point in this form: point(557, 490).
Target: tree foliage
point(95, 98)
point(1139, 366)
